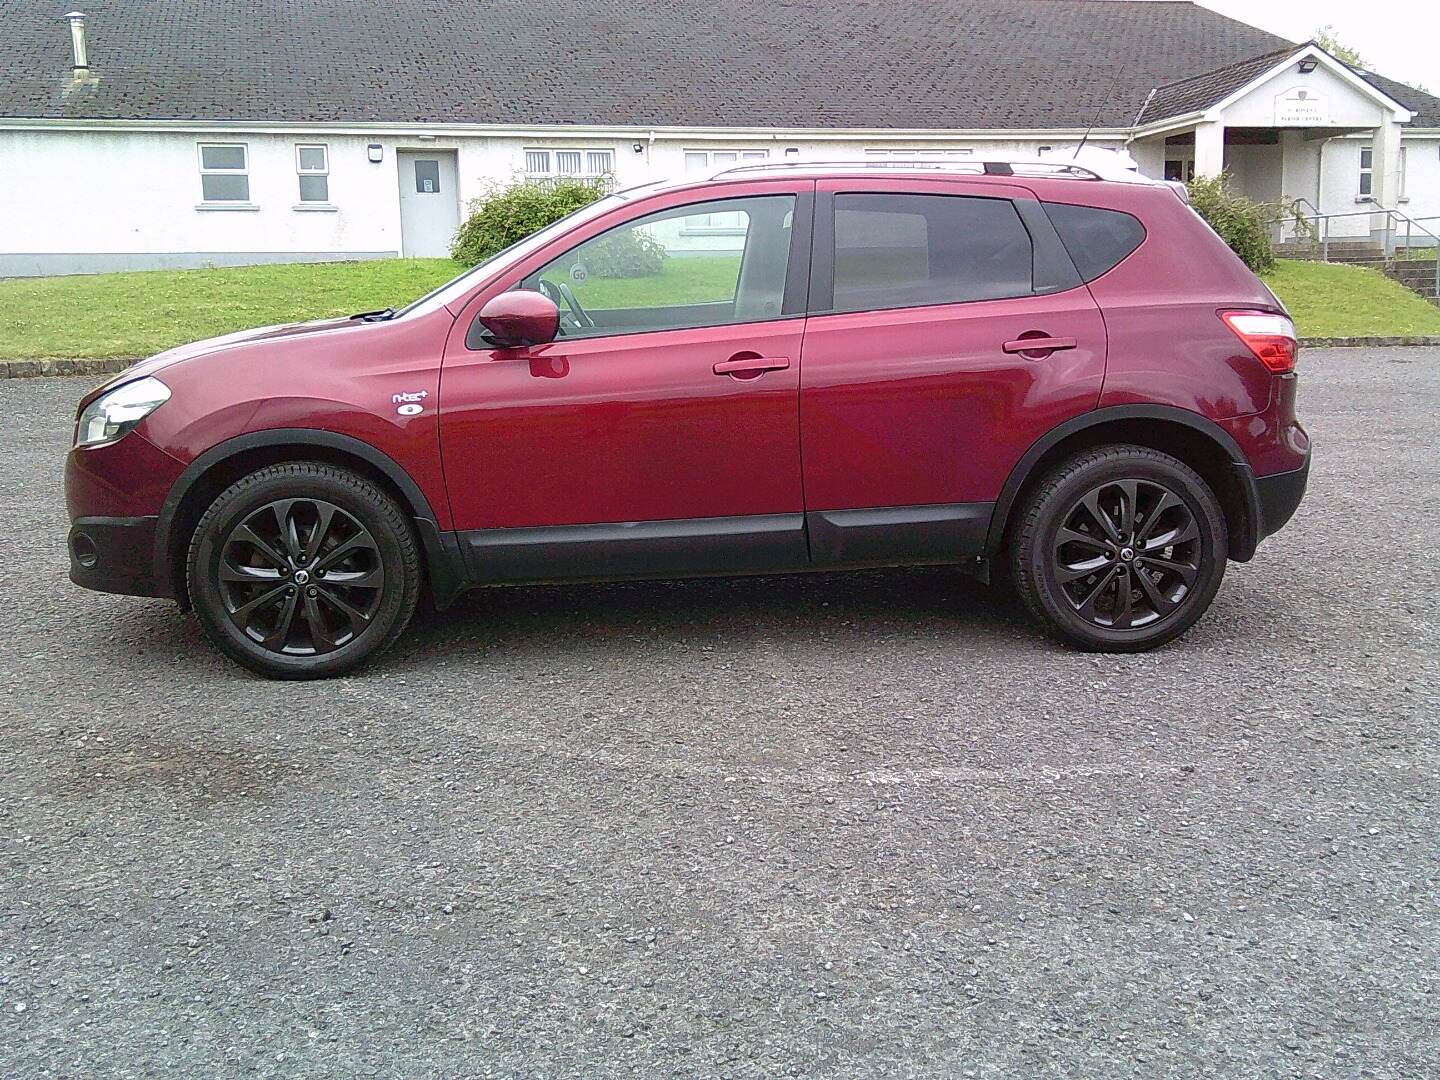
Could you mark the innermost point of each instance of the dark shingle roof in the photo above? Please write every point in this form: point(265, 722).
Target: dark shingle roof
point(775, 63)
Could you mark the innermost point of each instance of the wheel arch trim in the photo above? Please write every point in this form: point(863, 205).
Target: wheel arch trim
point(1202, 425)
point(419, 506)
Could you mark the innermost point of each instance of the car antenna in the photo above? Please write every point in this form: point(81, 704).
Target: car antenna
point(1115, 85)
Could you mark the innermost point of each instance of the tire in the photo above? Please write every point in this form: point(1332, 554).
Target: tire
point(261, 581)
point(1070, 579)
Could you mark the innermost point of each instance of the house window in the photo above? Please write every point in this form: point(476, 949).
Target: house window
point(584, 164)
point(312, 164)
point(224, 172)
point(1367, 170)
point(706, 160)
point(919, 154)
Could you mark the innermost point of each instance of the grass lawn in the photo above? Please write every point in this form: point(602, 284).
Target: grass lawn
point(135, 314)
point(1327, 300)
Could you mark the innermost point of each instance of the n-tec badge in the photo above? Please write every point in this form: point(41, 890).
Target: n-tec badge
point(410, 410)
point(416, 395)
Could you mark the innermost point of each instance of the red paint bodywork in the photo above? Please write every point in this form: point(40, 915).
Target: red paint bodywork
point(875, 409)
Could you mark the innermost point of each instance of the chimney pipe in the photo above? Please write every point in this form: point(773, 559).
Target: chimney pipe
point(77, 43)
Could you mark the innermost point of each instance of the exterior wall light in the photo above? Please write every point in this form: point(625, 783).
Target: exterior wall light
point(375, 152)
point(1308, 65)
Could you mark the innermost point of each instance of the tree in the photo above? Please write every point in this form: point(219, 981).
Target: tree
point(1326, 38)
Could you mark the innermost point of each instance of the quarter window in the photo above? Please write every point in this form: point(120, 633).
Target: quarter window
point(224, 172)
point(659, 273)
point(896, 251)
point(312, 164)
point(1096, 239)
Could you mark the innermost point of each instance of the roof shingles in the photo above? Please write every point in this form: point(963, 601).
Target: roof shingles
point(924, 64)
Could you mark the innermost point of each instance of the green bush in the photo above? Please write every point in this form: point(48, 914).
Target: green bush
point(1241, 223)
point(509, 214)
point(628, 253)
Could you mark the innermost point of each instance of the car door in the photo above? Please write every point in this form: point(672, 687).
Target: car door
point(948, 332)
point(659, 433)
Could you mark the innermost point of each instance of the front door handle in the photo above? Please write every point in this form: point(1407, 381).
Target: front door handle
point(749, 365)
point(1033, 341)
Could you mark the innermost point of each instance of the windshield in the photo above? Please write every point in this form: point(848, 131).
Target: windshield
point(457, 287)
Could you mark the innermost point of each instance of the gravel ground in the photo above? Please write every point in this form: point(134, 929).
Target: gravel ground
point(815, 826)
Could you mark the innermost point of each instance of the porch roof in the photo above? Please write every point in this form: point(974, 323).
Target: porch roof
point(1197, 93)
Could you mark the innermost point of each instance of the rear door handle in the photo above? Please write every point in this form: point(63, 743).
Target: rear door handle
point(748, 365)
point(1039, 344)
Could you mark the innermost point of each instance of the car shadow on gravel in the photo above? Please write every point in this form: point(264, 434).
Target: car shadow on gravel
point(900, 601)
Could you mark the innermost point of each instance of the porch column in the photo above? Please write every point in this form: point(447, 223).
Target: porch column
point(1209, 148)
point(1385, 177)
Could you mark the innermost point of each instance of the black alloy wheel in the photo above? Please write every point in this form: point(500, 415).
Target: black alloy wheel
point(1127, 554)
point(301, 577)
point(304, 570)
point(1119, 548)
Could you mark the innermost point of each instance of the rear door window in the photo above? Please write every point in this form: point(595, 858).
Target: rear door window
point(1097, 240)
point(904, 250)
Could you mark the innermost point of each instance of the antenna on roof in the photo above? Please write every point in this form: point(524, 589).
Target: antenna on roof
point(1096, 118)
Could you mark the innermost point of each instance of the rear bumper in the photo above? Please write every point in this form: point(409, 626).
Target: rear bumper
point(1278, 496)
point(115, 555)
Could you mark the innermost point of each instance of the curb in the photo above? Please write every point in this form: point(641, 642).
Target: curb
point(31, 369)
point(1367, 342)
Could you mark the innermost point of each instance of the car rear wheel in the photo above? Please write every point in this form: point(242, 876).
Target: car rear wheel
point(303, 571)
point(1119, 549)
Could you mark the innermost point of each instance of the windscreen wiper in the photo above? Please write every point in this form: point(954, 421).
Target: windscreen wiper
point(375, 316)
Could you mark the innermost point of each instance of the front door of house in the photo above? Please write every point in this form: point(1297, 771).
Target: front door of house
point(429, 203)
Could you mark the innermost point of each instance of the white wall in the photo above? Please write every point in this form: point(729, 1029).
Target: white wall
point(122, 194)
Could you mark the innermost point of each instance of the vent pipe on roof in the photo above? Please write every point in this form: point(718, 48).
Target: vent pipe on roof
point(77, 43)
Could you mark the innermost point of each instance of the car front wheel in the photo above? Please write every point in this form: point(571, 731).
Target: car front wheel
point(1119, 549)
point(303, 571)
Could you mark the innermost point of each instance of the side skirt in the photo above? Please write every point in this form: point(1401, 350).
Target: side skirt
point(723, 546)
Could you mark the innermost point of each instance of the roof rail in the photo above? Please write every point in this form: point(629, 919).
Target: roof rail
point(1009, 167)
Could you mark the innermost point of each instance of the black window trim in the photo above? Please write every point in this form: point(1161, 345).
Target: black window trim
point(794, 302)
point(1050, 261)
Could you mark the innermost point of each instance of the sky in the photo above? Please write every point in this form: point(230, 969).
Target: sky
point(1397, 38)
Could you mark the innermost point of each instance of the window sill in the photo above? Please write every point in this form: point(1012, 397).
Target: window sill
point(1364, 198)
point(227, 206)
point(316, 207)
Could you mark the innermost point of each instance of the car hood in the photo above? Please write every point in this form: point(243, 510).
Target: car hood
point(181, 353)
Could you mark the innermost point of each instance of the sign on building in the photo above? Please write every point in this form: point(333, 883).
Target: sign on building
point(1301, 107)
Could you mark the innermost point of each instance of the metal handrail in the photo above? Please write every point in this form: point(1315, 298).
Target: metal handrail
point(1392, 219)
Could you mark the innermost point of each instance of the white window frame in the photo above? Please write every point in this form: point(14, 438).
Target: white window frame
point(1367, 173)
point(303, 203)
point(919, 153)
point(552, 160)
point(716, 224)
point(224, 204)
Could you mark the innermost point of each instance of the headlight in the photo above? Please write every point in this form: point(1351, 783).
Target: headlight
point(111, 416)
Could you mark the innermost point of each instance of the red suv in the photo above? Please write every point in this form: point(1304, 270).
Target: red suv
point(770, 370)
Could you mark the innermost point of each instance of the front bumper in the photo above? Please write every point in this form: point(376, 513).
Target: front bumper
point(115, 555)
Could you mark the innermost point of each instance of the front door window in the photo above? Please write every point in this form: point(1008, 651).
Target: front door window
point(673, 270)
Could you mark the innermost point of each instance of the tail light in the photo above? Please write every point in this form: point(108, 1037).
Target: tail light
point(1270, 337)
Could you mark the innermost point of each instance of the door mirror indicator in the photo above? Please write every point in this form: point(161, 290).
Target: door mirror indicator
point(518, 318)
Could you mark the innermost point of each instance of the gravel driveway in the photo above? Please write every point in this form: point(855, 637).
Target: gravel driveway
point(814, 826)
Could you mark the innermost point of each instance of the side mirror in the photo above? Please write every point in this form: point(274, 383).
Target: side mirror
point(520, 317)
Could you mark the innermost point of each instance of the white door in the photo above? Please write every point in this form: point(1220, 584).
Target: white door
point(429, 203)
